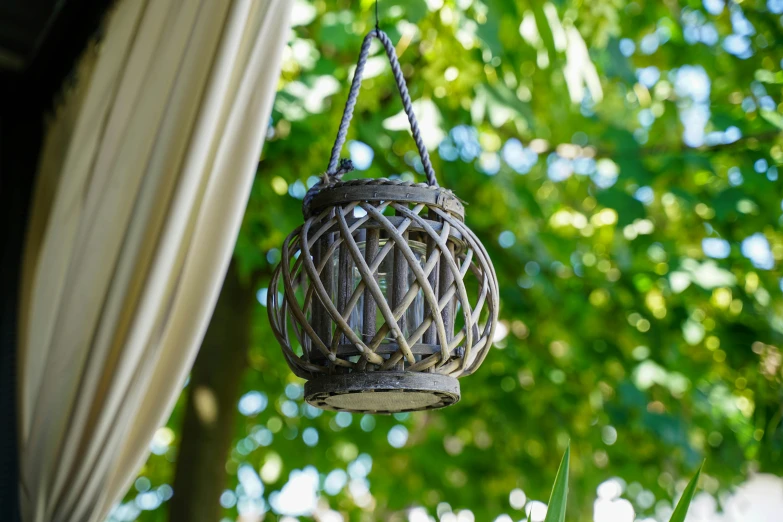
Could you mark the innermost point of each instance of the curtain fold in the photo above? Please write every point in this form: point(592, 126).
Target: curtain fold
point(143, 182)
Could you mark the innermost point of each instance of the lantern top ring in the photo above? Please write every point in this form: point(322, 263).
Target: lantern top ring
point(382, 189)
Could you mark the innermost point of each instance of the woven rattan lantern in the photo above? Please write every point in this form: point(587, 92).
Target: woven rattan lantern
point(383, 297)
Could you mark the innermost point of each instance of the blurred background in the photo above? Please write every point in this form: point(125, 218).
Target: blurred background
point(621, 164)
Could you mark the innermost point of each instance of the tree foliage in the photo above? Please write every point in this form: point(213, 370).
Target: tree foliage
point(620, 161)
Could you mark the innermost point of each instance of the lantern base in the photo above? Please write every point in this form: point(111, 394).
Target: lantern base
point(382, 392)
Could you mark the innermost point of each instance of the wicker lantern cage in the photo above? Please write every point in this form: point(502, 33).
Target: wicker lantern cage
point(383, 297)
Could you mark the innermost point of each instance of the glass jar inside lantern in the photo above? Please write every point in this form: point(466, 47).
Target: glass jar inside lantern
point(414, 313)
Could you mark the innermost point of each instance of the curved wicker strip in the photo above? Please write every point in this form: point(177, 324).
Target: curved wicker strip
point(455, 283)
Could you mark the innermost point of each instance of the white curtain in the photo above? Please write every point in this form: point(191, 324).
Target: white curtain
point(143, 181)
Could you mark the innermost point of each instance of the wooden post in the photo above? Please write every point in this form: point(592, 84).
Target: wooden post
point(369, 311)
point(399, 286)
point(344, 282)
point(430, 336)
point(445, 281)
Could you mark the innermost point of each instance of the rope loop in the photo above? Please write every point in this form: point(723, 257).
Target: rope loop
point(334, 173)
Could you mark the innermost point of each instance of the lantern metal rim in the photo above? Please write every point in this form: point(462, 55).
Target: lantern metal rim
point(382, 392)
point(380, 189)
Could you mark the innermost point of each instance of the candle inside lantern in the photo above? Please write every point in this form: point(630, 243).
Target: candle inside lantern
point(414, 313)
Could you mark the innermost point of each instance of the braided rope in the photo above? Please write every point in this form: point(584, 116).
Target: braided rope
point(335, 174)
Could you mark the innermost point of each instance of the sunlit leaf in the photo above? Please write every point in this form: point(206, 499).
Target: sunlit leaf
point(687, 496)
point(628, 208)
point(775, 118)
point(556, 509)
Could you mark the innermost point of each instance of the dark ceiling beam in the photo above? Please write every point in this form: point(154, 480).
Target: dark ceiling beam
point(40, 41)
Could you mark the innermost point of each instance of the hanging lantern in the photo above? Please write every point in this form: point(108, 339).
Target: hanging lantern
point(383, 297)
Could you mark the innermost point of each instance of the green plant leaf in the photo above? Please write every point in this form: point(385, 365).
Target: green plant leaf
point(556, 508)
point(685, 501)
point(773, 117)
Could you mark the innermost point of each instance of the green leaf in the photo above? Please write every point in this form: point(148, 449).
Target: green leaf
point(556, 508)
point(542, 24)
point(628, 208)
point(414, 10)
point(725, 202)
point(773, 117)
point(685, 501)
point(489, 31)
